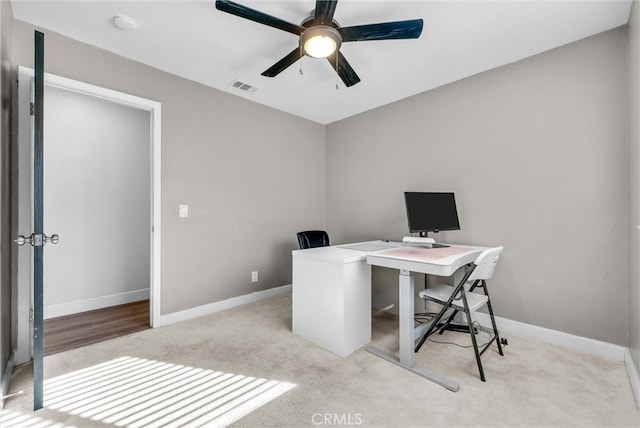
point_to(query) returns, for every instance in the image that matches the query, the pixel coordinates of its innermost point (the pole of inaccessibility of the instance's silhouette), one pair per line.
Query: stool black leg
(493, 320)
(473, 336)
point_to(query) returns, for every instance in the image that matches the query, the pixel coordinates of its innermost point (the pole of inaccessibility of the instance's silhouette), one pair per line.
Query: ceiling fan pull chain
(337, 73)
(301, 56)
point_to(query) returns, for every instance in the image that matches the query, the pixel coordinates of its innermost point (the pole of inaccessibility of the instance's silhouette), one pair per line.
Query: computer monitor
(431, 212)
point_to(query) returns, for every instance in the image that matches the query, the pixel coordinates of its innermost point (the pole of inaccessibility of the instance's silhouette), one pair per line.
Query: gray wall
(252, 176)
(634, 194)
(97, 173)
(536, 153)
(6, 81)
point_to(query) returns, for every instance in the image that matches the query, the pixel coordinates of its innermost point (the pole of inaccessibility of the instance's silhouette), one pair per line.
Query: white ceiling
(460, 38)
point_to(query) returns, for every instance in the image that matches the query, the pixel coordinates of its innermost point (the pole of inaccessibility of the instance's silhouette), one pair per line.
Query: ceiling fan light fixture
(320, 46)
(320, 41)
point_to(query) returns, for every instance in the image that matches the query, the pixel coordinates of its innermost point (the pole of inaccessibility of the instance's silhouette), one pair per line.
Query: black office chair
(312, 239)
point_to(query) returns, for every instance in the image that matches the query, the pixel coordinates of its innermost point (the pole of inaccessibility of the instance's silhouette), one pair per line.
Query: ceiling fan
(320, 36)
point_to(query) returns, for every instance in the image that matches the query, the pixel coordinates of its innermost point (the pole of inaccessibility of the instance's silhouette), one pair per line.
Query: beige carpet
(244, 367)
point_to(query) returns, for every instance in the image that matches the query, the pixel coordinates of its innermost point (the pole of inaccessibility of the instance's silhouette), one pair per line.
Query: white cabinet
(331, 303)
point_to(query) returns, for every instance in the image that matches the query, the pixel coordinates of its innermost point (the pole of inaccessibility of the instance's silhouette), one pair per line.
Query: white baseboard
(632, 371)
(554, 337)
(5, 382)
(222, 305)
(68, 308)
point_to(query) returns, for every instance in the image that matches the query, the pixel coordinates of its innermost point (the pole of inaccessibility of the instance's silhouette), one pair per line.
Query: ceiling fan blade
(324, 11)
(281, 65)
(410, 29)
(344, 69)
(257, 16)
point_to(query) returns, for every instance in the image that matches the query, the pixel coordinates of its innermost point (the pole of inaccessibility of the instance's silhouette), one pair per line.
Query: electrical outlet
(254, 276)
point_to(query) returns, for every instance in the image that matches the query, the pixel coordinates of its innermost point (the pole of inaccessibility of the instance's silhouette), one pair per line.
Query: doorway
(102, 194)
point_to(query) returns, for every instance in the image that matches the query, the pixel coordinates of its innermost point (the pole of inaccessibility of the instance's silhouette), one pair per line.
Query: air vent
(245, 87)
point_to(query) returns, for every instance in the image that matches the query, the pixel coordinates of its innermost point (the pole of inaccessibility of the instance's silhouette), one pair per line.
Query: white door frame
(22, 287)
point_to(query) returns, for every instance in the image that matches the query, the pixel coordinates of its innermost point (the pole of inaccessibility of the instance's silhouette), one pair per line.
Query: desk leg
(407, 309)
(407, 340)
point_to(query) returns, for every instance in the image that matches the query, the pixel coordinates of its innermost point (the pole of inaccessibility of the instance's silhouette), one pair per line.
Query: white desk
(331, 294)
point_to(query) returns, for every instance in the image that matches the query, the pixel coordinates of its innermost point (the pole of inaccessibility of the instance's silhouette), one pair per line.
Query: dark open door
(38, 234)
(37, 239)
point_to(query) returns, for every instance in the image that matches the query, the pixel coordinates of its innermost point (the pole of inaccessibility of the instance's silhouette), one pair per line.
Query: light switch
(184, 211)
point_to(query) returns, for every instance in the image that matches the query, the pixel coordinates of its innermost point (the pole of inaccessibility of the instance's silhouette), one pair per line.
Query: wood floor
(73, 331)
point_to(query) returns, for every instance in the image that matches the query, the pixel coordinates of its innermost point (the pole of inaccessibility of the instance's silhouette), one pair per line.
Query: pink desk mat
(424, 254)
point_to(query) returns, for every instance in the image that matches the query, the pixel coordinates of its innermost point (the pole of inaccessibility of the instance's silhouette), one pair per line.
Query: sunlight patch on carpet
(135, 392)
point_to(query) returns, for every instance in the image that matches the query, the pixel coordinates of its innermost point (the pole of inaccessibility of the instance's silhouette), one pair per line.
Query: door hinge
(30, 314)
(32, 108)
